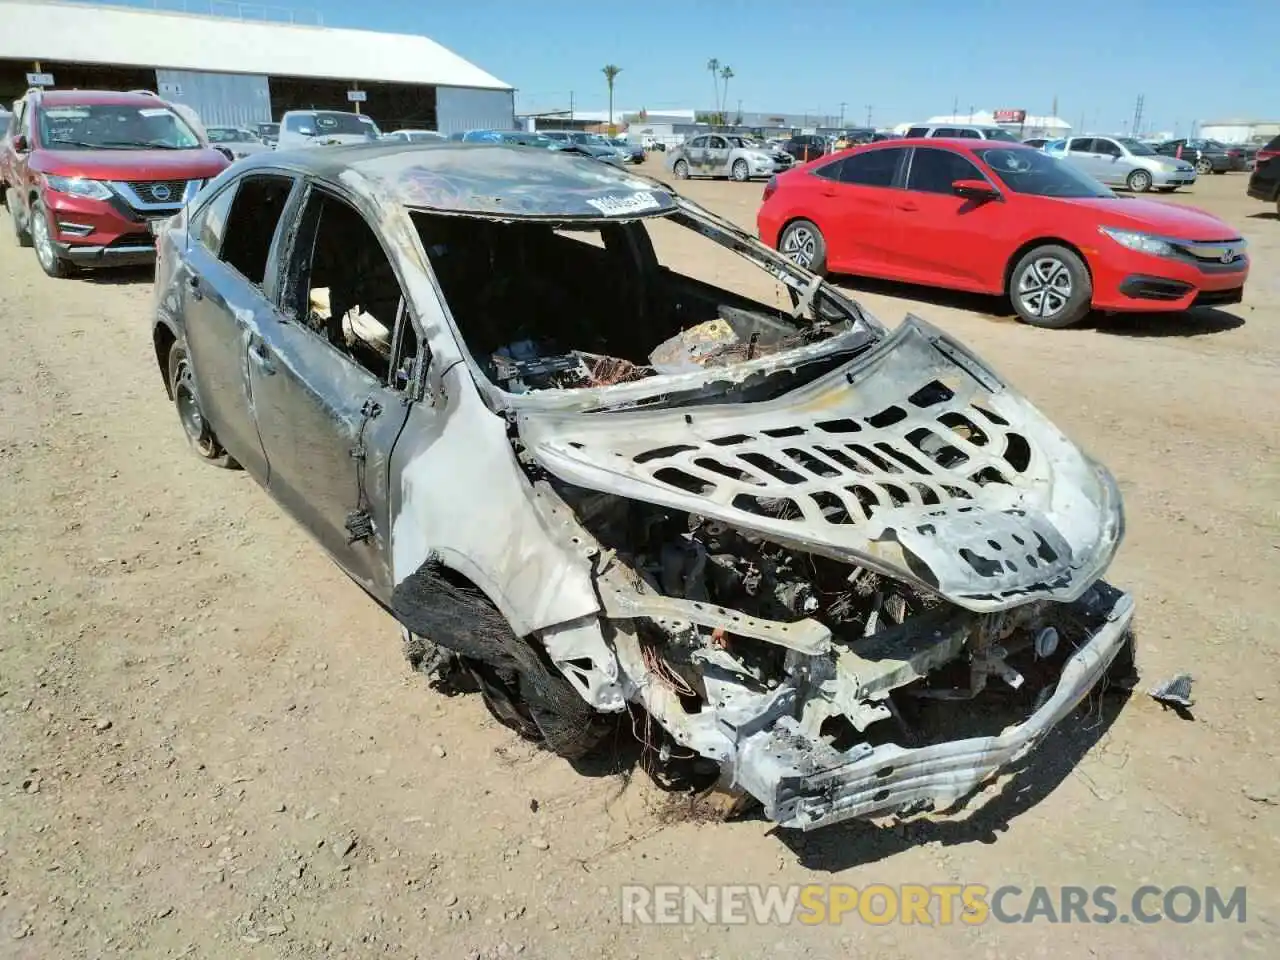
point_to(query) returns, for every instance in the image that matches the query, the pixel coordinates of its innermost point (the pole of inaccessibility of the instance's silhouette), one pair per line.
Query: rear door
(331, 379)
(860, 198)
(227, 286)
(695, 152)
(945, 239)
(1080, 154)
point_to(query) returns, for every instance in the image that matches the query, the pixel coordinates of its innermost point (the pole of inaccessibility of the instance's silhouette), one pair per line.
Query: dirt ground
(211, 746)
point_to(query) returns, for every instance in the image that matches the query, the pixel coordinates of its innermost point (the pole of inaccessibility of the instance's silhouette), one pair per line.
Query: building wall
(221, 99)
(460, 109)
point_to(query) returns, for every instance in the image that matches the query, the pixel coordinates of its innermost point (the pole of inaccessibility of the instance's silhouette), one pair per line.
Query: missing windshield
(587, 304)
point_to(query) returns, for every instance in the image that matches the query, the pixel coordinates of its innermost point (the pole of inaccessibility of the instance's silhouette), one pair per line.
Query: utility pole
(955, 107)
(1137, 115)
(571, 108)
(842, 106)
(971, 113)
(868, 115)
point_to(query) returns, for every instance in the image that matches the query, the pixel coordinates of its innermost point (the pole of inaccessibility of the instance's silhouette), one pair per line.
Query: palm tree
(714, 66)
(726, 74)
(610, 74)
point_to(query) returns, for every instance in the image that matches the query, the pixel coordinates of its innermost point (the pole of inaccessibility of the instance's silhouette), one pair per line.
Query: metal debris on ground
(1175, 692)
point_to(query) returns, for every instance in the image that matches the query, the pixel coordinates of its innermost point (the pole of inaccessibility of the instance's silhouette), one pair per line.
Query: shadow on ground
(994, 307)
(1265, 215)
(1192, 323)
(858, 842)
(118, 276)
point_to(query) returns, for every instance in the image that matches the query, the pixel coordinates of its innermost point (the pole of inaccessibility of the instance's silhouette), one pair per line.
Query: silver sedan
(726, 155)
(1124, 162)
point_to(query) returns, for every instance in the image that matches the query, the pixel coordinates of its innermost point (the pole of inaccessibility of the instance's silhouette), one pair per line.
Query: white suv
(971, 131)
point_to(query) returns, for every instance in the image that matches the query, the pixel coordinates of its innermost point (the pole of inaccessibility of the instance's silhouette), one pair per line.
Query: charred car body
(775, 533)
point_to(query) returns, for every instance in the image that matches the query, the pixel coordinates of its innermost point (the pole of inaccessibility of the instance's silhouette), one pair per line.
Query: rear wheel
(1050, 287)
(740, 171)
(681, 170)
(1203, 166)
(186, 398)
(1139, 181)
(802, 243)
(20, 231)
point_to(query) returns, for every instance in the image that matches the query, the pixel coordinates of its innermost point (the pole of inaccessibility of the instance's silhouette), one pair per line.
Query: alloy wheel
(799, 246)
(1203, 166)
(43, 241)
(1045, 287)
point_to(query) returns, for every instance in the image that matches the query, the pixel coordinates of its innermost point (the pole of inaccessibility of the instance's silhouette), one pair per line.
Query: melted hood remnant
(913, 460)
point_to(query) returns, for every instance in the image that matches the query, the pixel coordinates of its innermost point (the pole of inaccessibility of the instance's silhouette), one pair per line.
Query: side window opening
(251, 223)
(875, 168)
(346, 291)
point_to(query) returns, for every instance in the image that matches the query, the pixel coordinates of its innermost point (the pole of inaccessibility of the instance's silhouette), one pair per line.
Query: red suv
(85, 174)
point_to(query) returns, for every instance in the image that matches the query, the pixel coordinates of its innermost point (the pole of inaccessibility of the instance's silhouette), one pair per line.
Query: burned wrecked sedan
(812, 553)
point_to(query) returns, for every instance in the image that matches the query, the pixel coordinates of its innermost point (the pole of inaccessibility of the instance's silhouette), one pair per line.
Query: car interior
(543, 304)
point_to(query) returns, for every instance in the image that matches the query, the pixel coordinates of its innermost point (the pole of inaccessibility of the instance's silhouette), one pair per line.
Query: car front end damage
(849, 567)
(785, 584)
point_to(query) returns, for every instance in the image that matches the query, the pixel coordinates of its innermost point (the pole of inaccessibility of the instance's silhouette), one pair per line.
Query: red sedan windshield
(1029, 171)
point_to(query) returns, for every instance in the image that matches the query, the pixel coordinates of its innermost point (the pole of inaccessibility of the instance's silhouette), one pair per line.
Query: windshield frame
(142, 111)
(999, 135)
(1090, 189)
(811, 294)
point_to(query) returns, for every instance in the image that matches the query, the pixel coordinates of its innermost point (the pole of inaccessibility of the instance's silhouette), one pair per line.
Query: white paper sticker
(615, 206)
(154, 112)
(66, 113)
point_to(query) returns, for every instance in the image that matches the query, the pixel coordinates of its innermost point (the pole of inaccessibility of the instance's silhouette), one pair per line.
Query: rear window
(918, 132)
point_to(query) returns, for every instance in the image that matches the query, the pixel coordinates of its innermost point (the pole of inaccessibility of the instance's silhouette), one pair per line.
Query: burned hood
(914, 460)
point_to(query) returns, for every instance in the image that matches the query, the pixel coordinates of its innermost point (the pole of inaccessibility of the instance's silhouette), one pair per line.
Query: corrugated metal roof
(82, 33)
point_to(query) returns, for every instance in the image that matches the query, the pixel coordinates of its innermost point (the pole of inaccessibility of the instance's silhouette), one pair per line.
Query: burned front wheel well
(164, 338)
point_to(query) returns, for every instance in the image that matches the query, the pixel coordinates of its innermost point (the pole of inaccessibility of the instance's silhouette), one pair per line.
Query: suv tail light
(770, 188)
(1267, 155)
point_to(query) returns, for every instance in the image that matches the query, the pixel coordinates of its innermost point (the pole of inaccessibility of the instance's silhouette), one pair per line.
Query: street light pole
(868, 115)
(842, 106)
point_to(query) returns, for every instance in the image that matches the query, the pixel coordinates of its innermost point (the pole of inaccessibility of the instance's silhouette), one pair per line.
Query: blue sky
(910, 59)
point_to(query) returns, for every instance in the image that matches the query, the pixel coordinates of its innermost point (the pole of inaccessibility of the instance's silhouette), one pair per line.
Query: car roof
(100, 98)
(488, 179)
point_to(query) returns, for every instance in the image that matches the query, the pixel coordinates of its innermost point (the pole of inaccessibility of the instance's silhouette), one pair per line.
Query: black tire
(46, 250)
(809, 247)
(186, 399)
(1166, 189)
(1219, 172)
(681, 169)
(1050, 287)
(1139, 181)
(741, 172)
(20, 233)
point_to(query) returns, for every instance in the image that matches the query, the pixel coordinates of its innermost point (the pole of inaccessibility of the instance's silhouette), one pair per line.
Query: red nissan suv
(85, 174)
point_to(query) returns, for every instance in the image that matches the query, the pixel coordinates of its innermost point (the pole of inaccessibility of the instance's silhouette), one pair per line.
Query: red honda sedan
(993, 217)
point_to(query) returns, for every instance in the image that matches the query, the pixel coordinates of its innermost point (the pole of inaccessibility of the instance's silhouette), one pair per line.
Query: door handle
(193, 283)
(828, 192)
(260, 353)
(908, 207)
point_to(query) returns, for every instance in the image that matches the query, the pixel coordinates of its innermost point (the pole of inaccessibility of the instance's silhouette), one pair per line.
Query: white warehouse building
(238, 71)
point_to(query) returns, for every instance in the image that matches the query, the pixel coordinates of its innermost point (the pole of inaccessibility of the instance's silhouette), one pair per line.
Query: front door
(697, 153)
(227, 287)
(329, 399)
(1113, 164)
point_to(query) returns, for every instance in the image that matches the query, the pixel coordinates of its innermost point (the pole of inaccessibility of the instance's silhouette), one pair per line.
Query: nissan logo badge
(160, 191)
